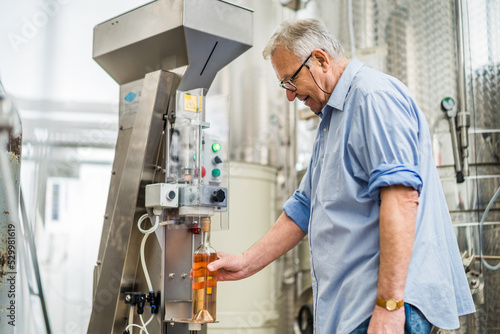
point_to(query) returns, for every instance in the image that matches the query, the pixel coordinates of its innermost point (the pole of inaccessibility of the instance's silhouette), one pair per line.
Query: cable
(143, 262)
(133, 325)
(143, 324)
(143, 245)
(317, 83)
(481, 232)
(152, 229)
(146, 232)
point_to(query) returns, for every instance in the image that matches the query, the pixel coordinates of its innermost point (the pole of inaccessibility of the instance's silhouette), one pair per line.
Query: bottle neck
(205, 238)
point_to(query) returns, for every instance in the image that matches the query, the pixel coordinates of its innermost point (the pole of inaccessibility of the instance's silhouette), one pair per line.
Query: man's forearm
(398, 213)
(283, 236)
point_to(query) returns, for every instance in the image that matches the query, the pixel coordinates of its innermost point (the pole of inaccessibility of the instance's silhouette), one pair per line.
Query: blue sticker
(130, 97)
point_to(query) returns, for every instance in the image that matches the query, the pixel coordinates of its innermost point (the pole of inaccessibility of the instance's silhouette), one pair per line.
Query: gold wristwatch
(391, 304)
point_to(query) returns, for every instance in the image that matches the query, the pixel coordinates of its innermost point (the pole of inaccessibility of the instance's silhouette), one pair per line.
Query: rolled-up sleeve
(388, 174)
(298, 207)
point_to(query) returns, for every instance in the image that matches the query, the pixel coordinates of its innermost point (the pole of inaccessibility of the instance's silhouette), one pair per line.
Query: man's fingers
(213, 266)
(219, 263)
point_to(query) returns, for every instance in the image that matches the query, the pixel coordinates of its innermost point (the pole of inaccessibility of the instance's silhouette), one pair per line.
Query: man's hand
(387, 322)
(283, 236)
(231, 267)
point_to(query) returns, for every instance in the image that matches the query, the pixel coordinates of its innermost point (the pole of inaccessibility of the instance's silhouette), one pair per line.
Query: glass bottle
(204, 281)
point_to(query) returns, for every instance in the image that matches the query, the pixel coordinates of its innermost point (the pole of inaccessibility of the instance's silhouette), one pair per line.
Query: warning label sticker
(191, 103)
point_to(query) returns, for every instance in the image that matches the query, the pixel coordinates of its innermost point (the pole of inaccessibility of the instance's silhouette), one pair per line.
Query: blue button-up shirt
(372, 134)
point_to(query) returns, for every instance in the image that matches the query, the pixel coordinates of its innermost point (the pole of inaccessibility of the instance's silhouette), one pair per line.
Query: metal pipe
(456, 149)
(463, 117)
(10, 166)
(30, 240)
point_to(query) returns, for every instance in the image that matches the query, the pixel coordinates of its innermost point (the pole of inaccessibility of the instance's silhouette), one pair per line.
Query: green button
(216, 172)
(216, 147)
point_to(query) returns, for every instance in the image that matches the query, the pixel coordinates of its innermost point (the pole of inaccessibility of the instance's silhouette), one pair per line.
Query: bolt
(113, 172)
(184, 275)
(171, 275)
(127, 298)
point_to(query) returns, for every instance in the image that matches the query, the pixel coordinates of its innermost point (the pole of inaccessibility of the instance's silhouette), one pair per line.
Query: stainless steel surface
(259, 109)
(195, 37)
(463, 116)
(203, 196)
(121, 242)
(192, 39)
(10, 227)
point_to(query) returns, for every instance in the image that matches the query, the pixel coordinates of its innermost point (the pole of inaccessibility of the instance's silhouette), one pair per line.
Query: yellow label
(209, 288)
(191, 103)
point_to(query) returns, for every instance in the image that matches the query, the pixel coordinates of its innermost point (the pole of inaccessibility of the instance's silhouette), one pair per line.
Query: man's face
(285, 64)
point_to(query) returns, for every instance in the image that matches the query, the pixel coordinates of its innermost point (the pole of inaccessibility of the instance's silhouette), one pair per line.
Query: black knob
(217, 160)
(171, 194)
(219, 196)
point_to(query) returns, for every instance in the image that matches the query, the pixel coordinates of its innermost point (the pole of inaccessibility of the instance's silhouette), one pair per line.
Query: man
(371, 201)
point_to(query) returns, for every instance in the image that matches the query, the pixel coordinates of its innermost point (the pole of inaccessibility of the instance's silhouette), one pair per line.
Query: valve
(136, 299)
(219, 196)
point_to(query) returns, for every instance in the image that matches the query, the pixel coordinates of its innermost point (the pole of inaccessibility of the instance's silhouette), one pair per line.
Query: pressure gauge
(447, 104)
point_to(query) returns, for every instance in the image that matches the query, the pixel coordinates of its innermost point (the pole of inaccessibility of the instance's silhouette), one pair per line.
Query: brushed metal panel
(204, 35)
(120, 256)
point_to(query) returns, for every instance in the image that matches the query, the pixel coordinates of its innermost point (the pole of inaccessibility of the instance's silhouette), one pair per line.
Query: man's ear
(321, 58)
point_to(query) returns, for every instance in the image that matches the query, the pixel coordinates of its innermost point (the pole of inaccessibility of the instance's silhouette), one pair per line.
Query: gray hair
(301, 37)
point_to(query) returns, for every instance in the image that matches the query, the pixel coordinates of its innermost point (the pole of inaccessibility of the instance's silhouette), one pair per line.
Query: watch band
(391, 304)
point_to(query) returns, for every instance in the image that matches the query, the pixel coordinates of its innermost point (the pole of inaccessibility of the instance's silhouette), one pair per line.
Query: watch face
(391, 304)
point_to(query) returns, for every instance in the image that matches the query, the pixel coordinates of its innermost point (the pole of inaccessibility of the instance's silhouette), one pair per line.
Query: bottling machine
(169, 178)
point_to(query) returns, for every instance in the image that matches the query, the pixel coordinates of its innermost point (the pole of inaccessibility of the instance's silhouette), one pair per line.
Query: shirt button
(314, 279)
(324, 129)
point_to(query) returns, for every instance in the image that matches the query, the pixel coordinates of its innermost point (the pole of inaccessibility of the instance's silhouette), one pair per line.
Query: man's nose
(290, 95)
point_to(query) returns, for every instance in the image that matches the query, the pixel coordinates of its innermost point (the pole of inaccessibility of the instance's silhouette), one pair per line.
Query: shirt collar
(339, 94)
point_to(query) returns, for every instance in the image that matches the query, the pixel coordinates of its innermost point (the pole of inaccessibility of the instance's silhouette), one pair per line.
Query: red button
(203, 171)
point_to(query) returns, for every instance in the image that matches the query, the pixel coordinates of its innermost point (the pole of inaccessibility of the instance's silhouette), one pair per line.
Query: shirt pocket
(328, 183)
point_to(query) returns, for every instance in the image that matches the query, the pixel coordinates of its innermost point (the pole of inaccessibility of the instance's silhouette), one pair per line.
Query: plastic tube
(144, 324)
(143, 245)
(144, 267)
(481, 231)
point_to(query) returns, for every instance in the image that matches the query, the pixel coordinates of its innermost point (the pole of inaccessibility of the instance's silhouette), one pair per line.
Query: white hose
(481, 225)
(143, 245)
(143, 262)
(144, 325)
(133, 325)
(144, 267)
(152, 229)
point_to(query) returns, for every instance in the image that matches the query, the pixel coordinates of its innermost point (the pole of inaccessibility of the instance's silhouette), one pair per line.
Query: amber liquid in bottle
(204, 281)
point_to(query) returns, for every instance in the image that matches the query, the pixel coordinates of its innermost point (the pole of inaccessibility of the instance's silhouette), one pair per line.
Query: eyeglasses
(288, 85)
